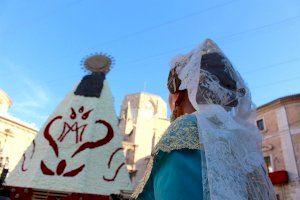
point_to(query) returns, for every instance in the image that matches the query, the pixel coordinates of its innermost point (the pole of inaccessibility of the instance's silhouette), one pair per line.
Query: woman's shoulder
(184, 121)
(181, 134)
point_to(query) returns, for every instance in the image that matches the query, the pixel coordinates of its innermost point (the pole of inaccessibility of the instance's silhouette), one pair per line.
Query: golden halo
(98, 63)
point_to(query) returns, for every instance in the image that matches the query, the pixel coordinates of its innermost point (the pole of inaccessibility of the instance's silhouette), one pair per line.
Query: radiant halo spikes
(98, 63)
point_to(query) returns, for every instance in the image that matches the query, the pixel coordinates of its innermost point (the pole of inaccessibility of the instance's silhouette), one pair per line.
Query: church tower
(143, 120)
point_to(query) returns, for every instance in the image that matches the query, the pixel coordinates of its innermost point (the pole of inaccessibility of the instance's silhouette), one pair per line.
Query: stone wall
(143, 120)
(281, 141)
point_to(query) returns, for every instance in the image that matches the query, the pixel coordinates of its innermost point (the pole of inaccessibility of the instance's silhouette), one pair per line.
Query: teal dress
(177, 169)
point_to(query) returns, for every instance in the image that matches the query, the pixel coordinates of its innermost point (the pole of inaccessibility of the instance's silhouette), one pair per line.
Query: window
(130, 157)
(260, 124)
(268, 163)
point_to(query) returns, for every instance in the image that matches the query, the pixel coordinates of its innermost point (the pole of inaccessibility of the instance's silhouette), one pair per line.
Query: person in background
(211, 150)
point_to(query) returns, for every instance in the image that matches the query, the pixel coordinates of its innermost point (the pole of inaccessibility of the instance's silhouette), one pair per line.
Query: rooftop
(145, 93)
(15, 120)
(281, 100)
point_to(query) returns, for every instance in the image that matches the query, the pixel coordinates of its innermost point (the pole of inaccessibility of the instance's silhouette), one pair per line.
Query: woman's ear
(172, 100)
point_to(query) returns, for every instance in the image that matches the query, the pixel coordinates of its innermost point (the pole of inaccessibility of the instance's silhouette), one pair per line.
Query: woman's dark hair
(173, 81)
(217, 65)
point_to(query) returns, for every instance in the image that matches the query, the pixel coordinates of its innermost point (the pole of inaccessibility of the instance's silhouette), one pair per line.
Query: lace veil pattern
(225, 113)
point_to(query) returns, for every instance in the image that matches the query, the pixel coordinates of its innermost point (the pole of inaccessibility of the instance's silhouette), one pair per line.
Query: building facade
(143, 120)
(279, 122)
(15, 135)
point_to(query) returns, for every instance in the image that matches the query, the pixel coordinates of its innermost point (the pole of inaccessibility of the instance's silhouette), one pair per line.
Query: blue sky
(43, 42)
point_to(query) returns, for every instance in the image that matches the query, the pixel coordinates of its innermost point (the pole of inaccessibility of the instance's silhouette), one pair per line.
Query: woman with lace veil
(211, 150)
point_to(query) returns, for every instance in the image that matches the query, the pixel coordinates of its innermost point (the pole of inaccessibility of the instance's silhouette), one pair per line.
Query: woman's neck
(187, 107)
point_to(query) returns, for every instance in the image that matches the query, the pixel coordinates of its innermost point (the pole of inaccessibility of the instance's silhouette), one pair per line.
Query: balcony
(279, 177)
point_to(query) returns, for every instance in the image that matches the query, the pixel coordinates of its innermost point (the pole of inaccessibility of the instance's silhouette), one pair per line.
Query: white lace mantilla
(235, 167)
(232, 144)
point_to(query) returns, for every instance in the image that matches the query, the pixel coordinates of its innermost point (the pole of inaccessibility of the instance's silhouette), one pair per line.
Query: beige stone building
(15, 135)
(143, 120)
(279, 122)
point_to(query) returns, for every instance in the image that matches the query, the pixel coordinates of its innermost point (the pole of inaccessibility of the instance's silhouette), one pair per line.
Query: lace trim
(182, 133)
(144, 180)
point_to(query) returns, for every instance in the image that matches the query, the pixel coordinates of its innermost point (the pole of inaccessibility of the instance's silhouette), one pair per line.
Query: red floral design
(79, 131)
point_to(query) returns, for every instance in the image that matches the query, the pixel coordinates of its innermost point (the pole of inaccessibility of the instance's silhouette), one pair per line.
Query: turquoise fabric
(179, 174)
(176, 176)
